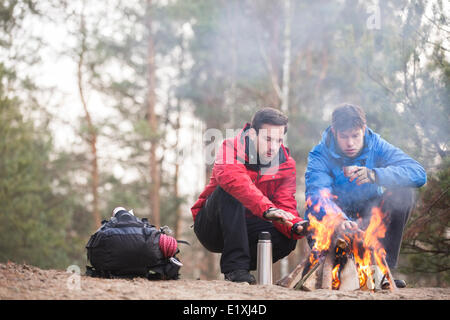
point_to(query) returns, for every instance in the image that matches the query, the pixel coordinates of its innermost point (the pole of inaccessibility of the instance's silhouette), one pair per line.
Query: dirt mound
(20, 281)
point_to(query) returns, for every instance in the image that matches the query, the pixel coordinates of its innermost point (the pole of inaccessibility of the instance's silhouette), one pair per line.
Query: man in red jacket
(251, 189)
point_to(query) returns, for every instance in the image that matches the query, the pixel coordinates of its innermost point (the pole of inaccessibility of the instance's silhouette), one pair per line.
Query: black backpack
(127, 246)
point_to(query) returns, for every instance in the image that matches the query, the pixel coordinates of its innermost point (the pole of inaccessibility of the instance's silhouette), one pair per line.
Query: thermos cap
(264, 235)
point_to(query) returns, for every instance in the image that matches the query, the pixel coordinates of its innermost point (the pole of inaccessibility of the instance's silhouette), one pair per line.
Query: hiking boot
(400, 283)
(240, 276)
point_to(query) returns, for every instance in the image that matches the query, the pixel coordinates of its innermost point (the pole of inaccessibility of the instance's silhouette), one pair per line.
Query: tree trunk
(211, 265)
(155, 182)
(323, 72)
(178, 215)
(284, 263)
(178, 212)
(234, 66)
(92, 135)
(287, 57)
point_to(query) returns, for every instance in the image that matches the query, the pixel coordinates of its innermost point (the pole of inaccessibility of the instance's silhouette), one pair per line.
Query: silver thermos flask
(264, 257)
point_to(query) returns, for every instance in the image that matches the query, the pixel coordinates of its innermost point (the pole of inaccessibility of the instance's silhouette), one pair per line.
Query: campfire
(349, 260)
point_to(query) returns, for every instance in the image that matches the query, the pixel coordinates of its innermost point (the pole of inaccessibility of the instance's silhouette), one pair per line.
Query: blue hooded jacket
(393, 168)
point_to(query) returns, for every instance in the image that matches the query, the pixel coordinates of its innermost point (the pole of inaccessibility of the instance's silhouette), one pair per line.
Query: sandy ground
(24, 282)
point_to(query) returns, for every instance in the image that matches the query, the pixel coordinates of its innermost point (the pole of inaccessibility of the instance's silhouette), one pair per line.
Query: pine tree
(34, 219)
(39, 224)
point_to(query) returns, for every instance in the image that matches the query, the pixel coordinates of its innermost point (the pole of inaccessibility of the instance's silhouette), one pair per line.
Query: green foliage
(34, 219)
(38, 217)
(427, 240)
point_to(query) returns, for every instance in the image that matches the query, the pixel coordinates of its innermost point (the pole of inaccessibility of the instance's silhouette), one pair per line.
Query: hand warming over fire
(362, 175)
(279, 215)
(347, 225)
(283, 217)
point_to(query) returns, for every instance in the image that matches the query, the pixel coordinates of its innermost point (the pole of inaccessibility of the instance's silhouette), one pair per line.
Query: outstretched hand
(347, 225)
(279, 215)
(283, 217)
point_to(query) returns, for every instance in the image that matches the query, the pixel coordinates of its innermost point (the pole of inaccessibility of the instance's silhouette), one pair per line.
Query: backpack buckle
(175, 262)
(166, 230)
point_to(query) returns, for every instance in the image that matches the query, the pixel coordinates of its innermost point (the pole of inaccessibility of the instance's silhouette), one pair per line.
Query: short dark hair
(269, 116)
(348, 116)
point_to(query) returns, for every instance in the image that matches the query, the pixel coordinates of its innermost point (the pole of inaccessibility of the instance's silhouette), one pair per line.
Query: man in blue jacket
(361, 170)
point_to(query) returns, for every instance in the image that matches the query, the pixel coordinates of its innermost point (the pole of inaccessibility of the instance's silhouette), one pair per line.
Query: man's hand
(282, 216)
(279, 215)
(363, 175)
(347, 225)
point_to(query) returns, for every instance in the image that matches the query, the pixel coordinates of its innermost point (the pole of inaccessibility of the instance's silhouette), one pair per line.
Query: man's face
(268, 141)
(350, 141)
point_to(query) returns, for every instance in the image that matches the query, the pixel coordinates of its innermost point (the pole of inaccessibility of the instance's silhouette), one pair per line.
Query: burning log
(309, 280)
(374, 270)
(348, 261)
(349, 277)
(325, 272)
(389, 276)
(317, 272)
(338, 269)
(345, 273)
(294, 277)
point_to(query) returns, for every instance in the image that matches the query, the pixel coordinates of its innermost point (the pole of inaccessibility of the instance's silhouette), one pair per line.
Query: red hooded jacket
(257, 191)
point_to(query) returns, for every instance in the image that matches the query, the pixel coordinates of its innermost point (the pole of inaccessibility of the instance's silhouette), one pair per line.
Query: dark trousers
(397, 205)
(222, 226)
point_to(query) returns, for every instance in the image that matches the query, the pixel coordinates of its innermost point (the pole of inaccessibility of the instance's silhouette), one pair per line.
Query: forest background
(112, 104)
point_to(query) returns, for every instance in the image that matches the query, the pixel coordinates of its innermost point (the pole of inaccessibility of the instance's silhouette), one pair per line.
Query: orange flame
(335, 282)
(323, 230)
(376, 230)
(367, 249)
(373, 251)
